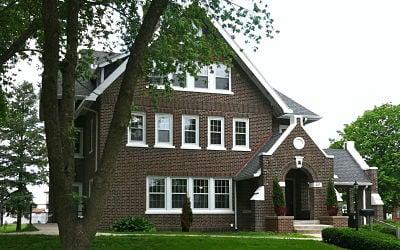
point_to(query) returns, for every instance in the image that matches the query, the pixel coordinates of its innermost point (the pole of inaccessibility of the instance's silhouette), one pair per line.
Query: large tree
(160, 36)
(377, 137)
(22, 151)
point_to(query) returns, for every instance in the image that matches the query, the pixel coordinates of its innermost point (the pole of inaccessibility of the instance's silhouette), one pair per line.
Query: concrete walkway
(52, 229)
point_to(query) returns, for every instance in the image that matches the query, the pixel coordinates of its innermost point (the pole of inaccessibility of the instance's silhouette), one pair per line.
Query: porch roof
(346, 168)
(252, 166)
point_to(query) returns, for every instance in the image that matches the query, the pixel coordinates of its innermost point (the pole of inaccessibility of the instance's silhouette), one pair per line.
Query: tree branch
(19, 42)
(133, 72)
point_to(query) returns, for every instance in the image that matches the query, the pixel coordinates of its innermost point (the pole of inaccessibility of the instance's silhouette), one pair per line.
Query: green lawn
(162, 242)
(10, 228)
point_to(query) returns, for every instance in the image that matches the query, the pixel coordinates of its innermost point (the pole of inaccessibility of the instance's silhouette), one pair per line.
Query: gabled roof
(346, 168)
(252, 166)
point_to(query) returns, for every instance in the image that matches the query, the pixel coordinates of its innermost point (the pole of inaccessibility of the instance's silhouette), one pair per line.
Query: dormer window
(202, 79)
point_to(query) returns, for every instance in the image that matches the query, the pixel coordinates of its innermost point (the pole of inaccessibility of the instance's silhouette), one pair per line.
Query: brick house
(221, 140)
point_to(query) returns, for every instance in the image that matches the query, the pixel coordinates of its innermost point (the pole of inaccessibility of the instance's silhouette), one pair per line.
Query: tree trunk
(19, 218)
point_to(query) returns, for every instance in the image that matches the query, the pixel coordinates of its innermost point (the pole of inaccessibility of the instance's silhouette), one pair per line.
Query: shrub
(382, 229)
(187, 215)
(133, 224)
(277, 194)
(331, 199)
(361, 240)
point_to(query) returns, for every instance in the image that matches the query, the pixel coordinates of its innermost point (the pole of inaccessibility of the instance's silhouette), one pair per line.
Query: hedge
(382, 228)
(133, 224)
(360, 240)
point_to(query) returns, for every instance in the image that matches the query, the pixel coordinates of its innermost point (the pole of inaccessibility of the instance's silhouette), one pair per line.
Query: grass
(240, 233)
(10, 228)
(162, 242)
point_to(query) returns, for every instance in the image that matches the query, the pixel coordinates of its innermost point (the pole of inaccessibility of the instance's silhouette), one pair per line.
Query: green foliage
(133, 224)
(377, 137)
(331, 199)
(381, 228)
(277, 194)
(187, 215)
(361, 240)
(22, 150)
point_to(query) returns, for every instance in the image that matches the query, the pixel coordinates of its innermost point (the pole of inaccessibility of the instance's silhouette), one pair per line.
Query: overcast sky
(337, 58)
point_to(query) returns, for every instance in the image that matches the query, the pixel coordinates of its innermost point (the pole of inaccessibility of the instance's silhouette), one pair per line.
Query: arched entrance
(297, 194)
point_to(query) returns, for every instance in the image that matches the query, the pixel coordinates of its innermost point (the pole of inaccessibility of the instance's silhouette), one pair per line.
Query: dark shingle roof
(102, 57)
(252, 165)
(297, 108)
(346, 168)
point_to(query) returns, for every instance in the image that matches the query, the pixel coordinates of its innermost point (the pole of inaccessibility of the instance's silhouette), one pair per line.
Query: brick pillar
(372, 174)
(258, 209)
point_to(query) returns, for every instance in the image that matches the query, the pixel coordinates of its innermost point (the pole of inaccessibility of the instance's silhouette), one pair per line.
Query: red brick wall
(134, 164)
(315, 163)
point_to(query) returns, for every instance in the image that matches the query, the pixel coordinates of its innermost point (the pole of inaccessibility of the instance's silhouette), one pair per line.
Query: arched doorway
(297, 194)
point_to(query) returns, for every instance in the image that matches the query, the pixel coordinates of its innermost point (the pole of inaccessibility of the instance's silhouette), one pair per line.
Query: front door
(289, 197)
(297, 195)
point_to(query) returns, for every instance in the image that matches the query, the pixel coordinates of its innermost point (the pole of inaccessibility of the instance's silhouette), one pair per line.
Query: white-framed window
(241, 134)
(78, 151)
(165, 195)
(222, 78)
(190, 132)
(201, 81)
(216, 130)
(200, 193)
(222, 193)
(137, 130)
(282, 128)
(91, 135)
(178, 192)
(163, 131)
(156, 193)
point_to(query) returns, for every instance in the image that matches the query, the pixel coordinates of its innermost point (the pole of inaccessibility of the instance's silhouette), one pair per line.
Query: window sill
(190, 147)
(137, 145)
(204, 90)
(76, 156)
(216, 148)
(163, 146)
(241, 149)
(195, 211)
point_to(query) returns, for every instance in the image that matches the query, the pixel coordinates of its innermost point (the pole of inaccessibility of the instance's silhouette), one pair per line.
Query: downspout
(236, 228)
(96, 134)
(365, 203)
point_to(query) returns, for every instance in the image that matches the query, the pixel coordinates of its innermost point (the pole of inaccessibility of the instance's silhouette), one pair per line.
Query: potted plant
(331, 200)
(187, 215)
(278, 198)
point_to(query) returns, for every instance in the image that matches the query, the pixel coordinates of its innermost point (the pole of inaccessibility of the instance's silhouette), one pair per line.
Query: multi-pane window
(222, 77)
(156, 193)
(190, 130)
(215, 132)
(137, 129)
(179, 190)
(78, 143)
(164, 129)
(240, 133)
(178, 80)
(201, 80)
(221, 193)
(200, 193)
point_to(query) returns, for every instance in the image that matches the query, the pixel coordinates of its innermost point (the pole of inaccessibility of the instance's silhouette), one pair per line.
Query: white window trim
(90, 186)
(79, 155)
(241, 147)
(142, 143)
(80, 190)
(190, 145)
(215, 146)
(91, 135)
(168, 197)
(214, 75)
(171, 137)
(189, 87)
(282, 128)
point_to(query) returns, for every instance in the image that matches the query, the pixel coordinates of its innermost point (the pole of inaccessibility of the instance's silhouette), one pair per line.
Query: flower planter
(280, 211)
(332, 210)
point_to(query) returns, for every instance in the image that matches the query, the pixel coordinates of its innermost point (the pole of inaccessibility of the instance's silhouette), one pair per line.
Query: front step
(309, 226)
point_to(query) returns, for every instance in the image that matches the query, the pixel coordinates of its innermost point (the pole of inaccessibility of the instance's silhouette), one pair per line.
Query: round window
(298, 143)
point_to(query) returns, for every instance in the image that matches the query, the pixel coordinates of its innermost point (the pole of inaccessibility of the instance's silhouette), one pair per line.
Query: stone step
(303, 222)
(311, 227)
(308, 231)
